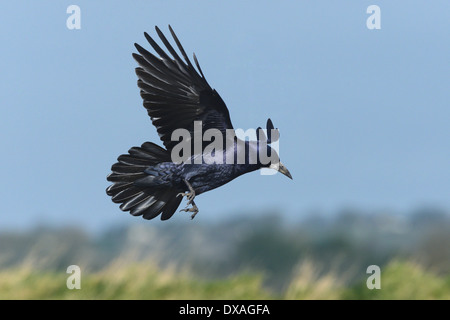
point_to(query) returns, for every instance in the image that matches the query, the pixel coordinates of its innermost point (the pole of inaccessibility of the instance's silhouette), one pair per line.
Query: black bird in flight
(147, 181)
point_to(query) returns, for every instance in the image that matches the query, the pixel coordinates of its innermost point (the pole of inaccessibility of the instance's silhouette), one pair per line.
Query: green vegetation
(135, 281)
(407, 281)
(259, 257)
(399, 280)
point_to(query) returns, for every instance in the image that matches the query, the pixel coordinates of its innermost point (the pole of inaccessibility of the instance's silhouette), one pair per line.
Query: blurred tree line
(343, 244)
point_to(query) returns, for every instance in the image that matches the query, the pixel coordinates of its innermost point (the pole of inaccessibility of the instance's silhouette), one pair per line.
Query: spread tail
(138, 198)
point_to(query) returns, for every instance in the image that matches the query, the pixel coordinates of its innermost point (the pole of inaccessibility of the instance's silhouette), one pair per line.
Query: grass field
(399, 280)
(258, 258)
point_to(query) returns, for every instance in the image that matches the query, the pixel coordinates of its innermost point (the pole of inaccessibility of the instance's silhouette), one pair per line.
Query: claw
(190, 196)
(192, 209)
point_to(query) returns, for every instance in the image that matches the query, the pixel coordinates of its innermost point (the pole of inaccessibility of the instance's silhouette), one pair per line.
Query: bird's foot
(183, 194)
(189, 195)
(193, 209)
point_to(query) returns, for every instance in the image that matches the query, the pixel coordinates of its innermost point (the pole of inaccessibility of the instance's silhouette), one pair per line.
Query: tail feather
(138, 198)
(135, 196)
(157, 206)
(126, 194)
(130, 160)
(170, 208)
(141, 207)
(117, 187)
(122, 168)
(125, 177)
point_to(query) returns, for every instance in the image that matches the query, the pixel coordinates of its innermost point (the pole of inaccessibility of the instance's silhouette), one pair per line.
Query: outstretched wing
(174, 93)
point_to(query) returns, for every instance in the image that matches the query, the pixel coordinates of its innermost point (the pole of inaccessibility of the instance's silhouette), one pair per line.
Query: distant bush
(122, 280)
(317, 257)
(406, 281)
(130, 281)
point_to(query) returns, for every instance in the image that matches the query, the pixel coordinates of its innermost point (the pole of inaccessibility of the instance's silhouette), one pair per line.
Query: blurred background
(363, 117)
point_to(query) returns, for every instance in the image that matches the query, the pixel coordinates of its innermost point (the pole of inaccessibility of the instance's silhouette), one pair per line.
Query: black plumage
(146, 181)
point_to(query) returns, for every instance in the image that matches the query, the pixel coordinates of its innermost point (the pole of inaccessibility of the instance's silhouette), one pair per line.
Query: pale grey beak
(282, 169)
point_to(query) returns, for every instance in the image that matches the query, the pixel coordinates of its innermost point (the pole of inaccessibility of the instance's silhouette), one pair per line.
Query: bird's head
(269, 158)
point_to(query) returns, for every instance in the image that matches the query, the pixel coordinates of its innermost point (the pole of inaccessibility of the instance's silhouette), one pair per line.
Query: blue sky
(363, 114)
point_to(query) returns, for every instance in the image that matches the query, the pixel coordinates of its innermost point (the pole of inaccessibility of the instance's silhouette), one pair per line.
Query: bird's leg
(190, 196)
